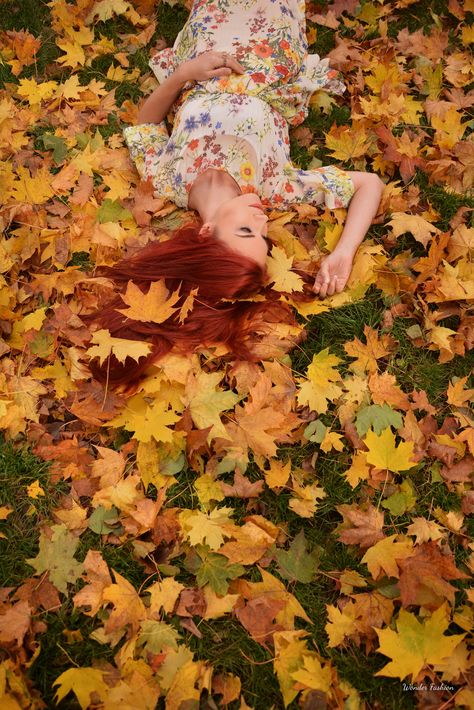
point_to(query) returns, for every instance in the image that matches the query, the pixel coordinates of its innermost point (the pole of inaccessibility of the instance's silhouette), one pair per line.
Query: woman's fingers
(221, 71)
(235, 65)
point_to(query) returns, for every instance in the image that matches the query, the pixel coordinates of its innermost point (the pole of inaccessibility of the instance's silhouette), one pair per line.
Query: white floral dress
(240, 123)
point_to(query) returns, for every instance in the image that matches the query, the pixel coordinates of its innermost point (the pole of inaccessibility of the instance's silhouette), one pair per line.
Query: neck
(210, 190)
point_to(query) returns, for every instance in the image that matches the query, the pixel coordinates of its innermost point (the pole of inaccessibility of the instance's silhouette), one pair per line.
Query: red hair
(187, 261)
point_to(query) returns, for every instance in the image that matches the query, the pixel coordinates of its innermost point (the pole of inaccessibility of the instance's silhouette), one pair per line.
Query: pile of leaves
(238, 534)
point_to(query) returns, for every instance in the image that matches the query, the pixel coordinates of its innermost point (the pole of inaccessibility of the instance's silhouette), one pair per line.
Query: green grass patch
(19, 468)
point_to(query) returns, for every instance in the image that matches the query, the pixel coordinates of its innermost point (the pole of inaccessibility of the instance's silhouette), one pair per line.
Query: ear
(206, 230)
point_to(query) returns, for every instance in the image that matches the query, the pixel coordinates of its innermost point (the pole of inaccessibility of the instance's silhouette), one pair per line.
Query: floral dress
(240, 123)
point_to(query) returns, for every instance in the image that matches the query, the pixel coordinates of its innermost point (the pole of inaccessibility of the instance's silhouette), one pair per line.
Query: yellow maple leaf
(147, 421)
(421, 229)
(35, 93)
(416, 643)
(32, 190)
(279, 271)
(206, 403)
(384, 453)
(218, 606)
(340, 624)
(82, 682)
(163, 595)
(5, 511)
(321, 386)
(424, 530)
(359, 469)
(306, 500)
(383, 556)
(368, 353)
(314, 674)
(449, 129)
(206, 528)
(104, 345)
(105, 9)
(278, 474)
(187, 305)
(290, 648)
(155, 306)
(128, 608)
(34, 490)
(347, 143)
(74, 54)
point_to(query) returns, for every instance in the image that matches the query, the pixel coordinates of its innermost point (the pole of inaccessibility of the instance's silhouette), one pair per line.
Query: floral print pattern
(240, 123)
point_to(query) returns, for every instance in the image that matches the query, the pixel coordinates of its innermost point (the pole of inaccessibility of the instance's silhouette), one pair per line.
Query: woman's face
(241, 224)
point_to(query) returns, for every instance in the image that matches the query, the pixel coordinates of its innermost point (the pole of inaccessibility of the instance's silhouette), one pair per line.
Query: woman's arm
(336, 268)
(206, 66)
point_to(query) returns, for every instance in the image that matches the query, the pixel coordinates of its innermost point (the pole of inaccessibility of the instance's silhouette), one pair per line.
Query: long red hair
(186, 261)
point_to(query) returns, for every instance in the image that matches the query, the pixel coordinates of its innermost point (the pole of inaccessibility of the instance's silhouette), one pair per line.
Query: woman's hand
(333, 273)
(208, 65)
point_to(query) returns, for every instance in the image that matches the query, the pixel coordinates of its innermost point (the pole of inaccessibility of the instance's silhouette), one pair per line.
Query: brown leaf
(242, 488)
(461, 471)
(191, 603)
(423, 577)
(362, 525)
(258, 617)
(14, 622)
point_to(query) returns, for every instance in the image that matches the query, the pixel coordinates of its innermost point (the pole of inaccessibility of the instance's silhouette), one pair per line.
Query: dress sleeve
(146, 143)
(314, 74)
(164, 63)
(329, 185)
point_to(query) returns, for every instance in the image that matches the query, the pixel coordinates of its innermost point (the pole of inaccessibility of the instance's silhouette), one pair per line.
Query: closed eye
(245, 229)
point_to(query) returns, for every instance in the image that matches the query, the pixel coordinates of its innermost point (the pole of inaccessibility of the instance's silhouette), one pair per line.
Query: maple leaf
(362, 525)
(82, 682)
(104, 345)
(421, 229)
(384, 555)
(423, 576)
(258, 617)
(340, 624)
(146, 421)
(347, 143)
(206, 528)
(206, 403)
(296, 563)
(322, 385)
(290, 648)
(56, 556)
(215, 570)
(384, 453)
(415, 644)
(14, 623)
(242, 487)
(128, 607)
(164, 595)
(155, 306)
(279, 272)
(367, 354)
(378, 417)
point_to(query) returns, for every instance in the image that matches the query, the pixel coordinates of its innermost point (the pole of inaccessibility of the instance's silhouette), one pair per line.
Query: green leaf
(402, 501)
(296, 563)
(57, 144)
(56, 556)
(377, 416)
(216, 571)
(156, 635)
(112, 211)
(103, 520)
(315, 431)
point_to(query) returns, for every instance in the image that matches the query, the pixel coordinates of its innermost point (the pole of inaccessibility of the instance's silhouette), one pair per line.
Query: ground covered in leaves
(287, 533)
